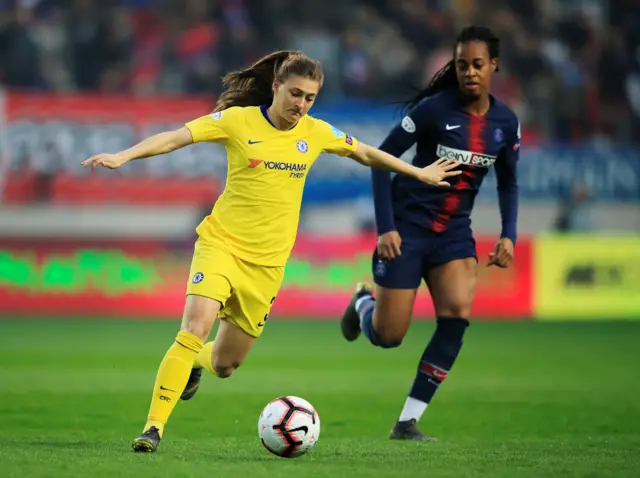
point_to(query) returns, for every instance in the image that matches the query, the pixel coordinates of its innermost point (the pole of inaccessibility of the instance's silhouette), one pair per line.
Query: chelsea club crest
(197, 278)
(302, 146)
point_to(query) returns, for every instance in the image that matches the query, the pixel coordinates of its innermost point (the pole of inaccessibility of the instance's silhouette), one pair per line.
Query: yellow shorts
(246, 291)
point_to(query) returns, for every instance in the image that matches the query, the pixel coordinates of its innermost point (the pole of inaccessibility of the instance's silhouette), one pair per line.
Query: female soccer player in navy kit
(425, 233)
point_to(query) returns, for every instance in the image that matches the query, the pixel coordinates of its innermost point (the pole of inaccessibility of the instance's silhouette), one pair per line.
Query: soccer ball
(289, 426)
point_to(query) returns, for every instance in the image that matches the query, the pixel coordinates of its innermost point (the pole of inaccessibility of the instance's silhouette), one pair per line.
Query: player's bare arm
(155, 145)
(434, 174)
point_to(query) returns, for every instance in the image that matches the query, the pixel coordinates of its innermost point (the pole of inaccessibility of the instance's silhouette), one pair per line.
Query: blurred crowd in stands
(569, 68)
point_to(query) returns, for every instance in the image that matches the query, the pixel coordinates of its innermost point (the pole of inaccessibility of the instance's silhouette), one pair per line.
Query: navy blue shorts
(422, 250)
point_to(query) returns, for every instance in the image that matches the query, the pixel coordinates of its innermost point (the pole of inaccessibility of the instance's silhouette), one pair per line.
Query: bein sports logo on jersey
(465, 157)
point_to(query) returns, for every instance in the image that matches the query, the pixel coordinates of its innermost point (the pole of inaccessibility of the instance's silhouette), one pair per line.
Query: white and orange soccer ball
(289, 426)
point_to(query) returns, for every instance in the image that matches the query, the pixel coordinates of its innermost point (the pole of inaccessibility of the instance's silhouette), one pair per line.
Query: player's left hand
(106, 160)
(502, 254)
(436, 173)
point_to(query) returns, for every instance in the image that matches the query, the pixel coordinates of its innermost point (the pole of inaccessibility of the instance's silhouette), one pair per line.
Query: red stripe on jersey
(476, 128)
(452, 198)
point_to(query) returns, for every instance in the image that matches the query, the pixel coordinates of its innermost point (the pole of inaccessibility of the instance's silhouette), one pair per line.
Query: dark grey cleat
(147, 442)
(192, 384)
(408, 431)
(350, 323)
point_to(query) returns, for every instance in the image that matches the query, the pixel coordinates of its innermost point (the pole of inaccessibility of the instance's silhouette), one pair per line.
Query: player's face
(474, 68)
(294, 97)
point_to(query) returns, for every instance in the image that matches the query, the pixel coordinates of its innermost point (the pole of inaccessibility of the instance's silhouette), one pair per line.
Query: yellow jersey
(256, 217)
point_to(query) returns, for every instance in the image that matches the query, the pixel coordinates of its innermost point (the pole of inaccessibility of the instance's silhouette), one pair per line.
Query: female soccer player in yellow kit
(243, 246)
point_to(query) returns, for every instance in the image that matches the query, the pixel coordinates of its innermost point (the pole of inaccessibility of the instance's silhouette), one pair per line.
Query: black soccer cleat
(147, 442)
(408, 430)
(350, 323)
(192, 384)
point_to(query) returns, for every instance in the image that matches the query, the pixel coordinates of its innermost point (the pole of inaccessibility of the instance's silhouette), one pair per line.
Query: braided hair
(446, 78)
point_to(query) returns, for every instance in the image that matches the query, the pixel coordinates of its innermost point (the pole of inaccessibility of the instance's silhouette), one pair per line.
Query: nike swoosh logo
(449, 128)
(167, 389)
(260, 324)
(254, 142)
(302, 428)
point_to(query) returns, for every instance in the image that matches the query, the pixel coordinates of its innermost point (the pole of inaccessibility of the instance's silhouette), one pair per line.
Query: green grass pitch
(524, 400)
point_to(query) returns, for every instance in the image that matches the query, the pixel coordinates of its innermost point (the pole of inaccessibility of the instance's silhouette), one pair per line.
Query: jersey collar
(263, 110)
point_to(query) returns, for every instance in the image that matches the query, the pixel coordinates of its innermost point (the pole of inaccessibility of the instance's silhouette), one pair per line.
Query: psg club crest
(381, 269)
(197, 278)
(498, 135)
(302, 146)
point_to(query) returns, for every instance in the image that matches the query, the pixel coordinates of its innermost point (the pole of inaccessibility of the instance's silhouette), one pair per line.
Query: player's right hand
(111, 161)
(435, 173)
(389, 246)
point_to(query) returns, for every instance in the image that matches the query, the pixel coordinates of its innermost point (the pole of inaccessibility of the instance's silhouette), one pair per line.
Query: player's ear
(494, 65)
(275, 86)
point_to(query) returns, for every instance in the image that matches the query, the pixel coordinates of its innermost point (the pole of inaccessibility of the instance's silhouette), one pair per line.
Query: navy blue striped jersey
(442, 128)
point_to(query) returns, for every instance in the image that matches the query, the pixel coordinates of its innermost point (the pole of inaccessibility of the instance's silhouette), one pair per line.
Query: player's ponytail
(253, 86)
(446, 78)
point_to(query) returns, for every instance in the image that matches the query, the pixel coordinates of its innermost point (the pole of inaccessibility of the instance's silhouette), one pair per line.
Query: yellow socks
(172, 377)
(204, 357)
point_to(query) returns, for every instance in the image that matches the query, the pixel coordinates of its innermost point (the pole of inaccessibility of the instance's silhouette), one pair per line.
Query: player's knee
(390, 344)
(224, 369)
(388, 337)
(198, 328)
(454, 310)
(198, 324)
(199, 315)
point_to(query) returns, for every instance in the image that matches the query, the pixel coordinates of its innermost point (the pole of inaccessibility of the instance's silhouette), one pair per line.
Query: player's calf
(388, 339)
(386, 335)
(384, 321)
(358, 317)
(434, 366)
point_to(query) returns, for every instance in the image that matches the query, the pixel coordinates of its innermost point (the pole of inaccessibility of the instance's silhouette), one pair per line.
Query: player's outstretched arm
(434, 174)
(160, 143)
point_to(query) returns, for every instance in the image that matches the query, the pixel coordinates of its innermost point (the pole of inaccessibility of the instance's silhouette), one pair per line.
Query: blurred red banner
(80, 108)
(47, 133)
(136, 279)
